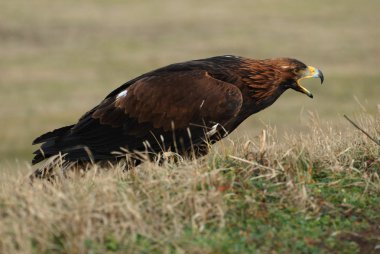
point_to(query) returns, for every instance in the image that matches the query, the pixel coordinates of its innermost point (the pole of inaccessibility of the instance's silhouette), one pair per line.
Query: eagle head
(297, 71)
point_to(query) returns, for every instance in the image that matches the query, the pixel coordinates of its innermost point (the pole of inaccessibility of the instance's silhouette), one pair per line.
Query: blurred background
(58, 59)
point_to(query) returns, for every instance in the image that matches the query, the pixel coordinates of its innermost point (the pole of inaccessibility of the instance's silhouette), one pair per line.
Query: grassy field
(311, 186)
(314, 193)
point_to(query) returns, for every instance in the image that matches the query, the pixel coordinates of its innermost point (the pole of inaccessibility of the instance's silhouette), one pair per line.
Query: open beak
(311, 72)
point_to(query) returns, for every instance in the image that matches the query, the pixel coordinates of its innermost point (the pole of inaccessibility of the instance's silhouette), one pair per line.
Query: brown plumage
(181, 107)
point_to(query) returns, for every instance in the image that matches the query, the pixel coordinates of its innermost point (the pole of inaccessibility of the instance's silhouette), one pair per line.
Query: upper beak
(311, 72)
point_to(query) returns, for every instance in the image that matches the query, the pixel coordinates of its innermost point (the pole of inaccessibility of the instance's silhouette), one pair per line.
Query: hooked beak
(311, 72)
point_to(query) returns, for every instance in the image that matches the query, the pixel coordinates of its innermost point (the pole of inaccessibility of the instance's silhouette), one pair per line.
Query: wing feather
(191, 97)
(163, 104)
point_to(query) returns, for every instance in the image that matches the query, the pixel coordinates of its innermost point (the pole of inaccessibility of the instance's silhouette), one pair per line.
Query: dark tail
(52, 134)
(49, 147)
(71, 147)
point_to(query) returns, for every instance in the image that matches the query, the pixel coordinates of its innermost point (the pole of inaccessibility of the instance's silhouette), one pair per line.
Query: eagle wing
(172, 101)
(156, 105)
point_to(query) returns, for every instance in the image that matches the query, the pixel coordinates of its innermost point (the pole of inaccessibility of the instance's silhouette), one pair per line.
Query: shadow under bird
(182, 108)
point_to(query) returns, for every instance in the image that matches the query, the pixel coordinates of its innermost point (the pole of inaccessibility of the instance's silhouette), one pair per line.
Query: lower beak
(311, 72)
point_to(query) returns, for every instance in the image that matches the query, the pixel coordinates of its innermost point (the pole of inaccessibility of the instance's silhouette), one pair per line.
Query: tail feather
(71, 150)
(74, 148)
(52, 134)
(49, 146)
(38, 157)
(46, 150)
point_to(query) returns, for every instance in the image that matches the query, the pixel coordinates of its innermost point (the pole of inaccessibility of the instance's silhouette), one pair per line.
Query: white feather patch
(122, 94)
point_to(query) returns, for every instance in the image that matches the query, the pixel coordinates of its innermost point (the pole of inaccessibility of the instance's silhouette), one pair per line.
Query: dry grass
(156, 203)
(243, 197)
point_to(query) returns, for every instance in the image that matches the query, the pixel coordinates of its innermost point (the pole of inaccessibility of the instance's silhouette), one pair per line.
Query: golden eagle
(182, 108)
